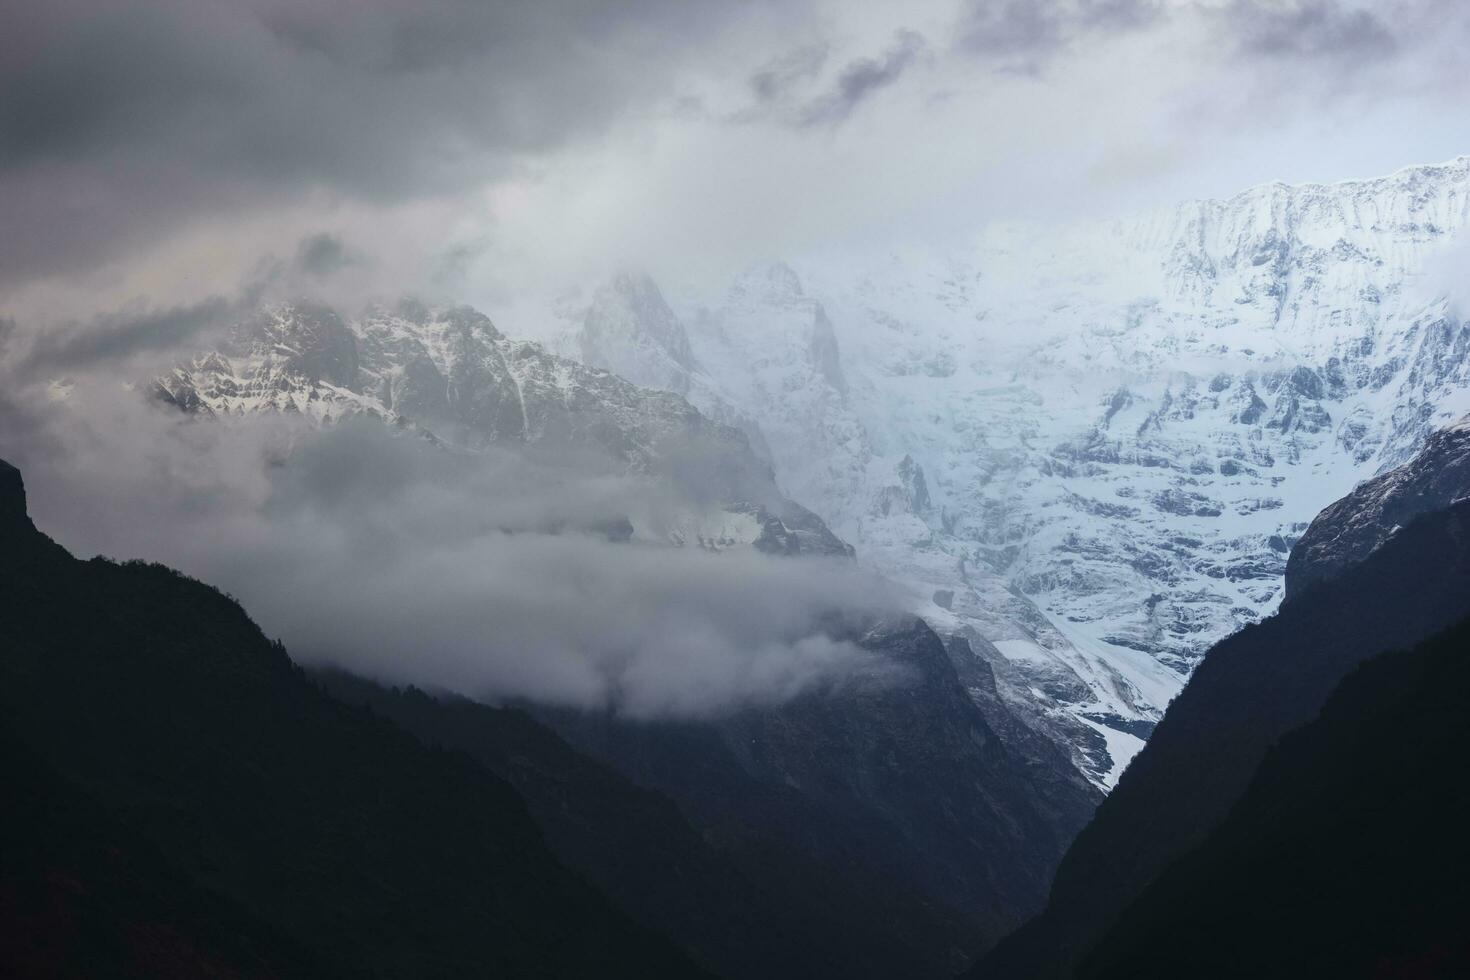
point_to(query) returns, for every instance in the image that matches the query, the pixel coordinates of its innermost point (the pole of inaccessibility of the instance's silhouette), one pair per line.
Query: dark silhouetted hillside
(637, 847)
(1346, 858)
(215, 807)
(894, 808)
(1250, 690)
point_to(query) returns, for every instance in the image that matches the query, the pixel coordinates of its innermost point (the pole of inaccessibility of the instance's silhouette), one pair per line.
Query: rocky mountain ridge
(895, 801)
(1351, 529)
(1089, 451)
(1251, 690)
(449, 375)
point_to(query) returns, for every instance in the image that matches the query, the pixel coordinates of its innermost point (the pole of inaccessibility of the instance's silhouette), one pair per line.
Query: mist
(493, 575)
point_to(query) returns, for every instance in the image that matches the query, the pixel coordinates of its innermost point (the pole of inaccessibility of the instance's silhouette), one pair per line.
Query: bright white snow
(1094, 448)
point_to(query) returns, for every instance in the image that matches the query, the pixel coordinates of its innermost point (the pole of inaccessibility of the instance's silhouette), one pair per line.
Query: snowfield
(1084, 453)
(1088, 451)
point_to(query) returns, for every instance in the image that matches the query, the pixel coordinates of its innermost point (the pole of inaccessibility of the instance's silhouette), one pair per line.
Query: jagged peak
(639, 295)
(285, 313)
(289, 322)
(1457, 168)
(1257, 232)
(413, 310)
(774, 280)
(629, 328)
(633, 281)
(410, 308)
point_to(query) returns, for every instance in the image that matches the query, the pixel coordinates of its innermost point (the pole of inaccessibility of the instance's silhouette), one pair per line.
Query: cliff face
(1250, 690)
(449, 375)
(1122, 429)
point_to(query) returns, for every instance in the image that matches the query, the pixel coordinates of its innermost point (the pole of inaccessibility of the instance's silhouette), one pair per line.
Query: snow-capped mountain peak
(1119, 429)
(630, 330)
(449, 374)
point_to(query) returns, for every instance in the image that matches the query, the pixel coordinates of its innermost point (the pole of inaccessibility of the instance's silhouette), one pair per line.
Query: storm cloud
(167, 165)
(119, 337)
(490, 151)
(860, 79)
(790, 90)
(1024, 35)
(141, 339)
(117, 120)
(1310, 29)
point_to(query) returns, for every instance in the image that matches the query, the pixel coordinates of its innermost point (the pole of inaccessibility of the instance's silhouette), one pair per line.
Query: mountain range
(1291, 810)
(1087, 450)
(1101, 463)
(931, 813)
(1221, 759)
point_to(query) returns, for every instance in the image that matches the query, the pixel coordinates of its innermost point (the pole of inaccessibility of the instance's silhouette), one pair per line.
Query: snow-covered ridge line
(450, 375)
(1349, 530)
(1090, 455)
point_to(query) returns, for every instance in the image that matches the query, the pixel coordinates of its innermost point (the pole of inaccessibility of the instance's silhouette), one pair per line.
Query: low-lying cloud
(493, 575)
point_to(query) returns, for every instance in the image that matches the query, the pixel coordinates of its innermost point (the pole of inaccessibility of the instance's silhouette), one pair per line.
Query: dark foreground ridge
(182, 800)
(325, 824)
(1252, 689)
(635, 845)
(1346, 858)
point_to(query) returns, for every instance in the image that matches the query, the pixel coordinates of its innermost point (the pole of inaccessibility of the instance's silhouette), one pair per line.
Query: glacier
(1085, 451)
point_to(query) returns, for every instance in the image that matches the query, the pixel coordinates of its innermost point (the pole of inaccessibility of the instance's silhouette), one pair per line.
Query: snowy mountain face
(630, 331)
(875, 789)
(1088, 453)
(450, 375)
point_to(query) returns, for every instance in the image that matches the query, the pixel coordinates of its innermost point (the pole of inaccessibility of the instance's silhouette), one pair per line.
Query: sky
(161, 153)
(168, 165)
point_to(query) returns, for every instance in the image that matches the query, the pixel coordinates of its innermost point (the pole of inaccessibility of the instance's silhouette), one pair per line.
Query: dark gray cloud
(116, 120)
(1309, 29)
(140, 337)
(1023, 35)
(322, 255)
(160, 122)
(1119, 15)
(778, 77)
(483, 574)
(860, 79)
(1347, 57)
(1019, 31)
(115, 338)
(789, 89)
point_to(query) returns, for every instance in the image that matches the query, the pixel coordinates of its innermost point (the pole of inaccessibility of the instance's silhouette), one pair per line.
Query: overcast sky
(167, 164)
(161, 152)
